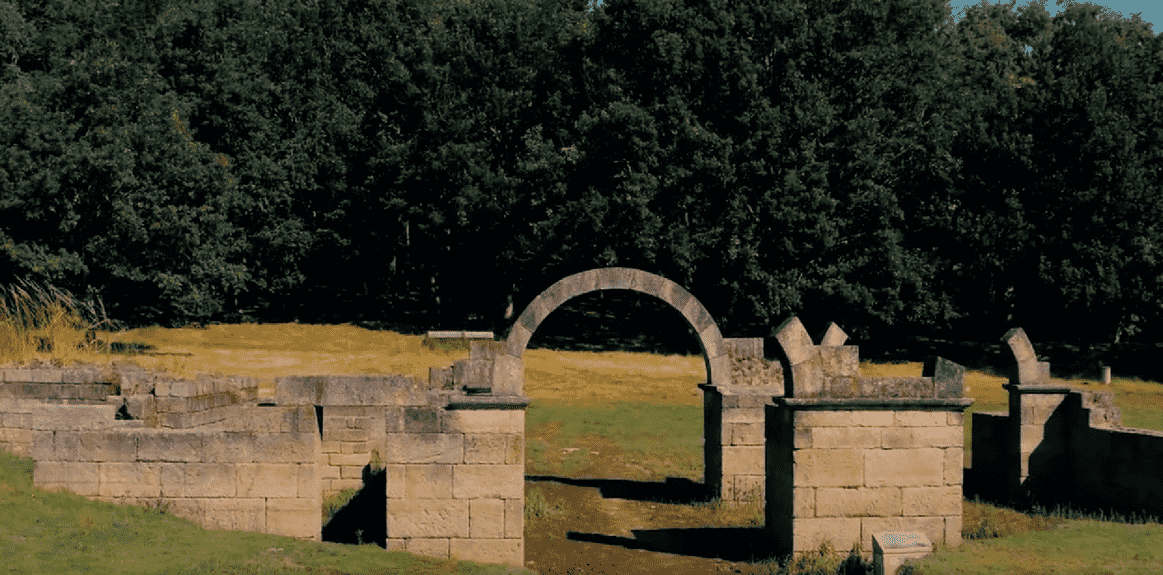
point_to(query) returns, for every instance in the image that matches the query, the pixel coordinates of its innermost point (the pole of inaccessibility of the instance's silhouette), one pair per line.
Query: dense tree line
(868, 162)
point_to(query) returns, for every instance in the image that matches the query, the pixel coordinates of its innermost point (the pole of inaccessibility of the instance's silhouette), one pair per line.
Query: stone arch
(697, 316)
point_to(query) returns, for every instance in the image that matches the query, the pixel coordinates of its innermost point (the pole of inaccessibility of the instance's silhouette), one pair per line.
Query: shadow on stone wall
(365, 516)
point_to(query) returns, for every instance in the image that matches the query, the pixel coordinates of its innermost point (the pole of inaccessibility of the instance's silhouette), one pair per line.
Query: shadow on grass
(364, 518)
(738, 544)
(679, 490)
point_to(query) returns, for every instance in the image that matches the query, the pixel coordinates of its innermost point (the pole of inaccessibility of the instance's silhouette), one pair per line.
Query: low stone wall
(222, 479)
(1063, 445)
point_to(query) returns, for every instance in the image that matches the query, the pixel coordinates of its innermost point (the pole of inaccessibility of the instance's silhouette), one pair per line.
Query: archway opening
(615, 460)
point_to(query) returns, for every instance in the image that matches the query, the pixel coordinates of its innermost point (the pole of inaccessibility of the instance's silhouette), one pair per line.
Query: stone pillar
(456, 484)
(733, 461)
(1036, 459)
(841, 469)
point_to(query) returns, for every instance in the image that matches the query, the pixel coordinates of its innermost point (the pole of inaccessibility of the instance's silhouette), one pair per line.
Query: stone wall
(1063, 444)
(847, 455)
(264, 481)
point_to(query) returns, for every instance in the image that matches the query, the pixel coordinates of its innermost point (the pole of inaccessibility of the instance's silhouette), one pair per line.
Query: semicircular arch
(696, 315)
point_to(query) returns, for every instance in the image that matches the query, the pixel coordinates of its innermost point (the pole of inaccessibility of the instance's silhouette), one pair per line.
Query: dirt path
(600, 524)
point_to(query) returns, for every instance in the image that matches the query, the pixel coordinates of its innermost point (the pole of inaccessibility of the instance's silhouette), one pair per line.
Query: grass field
(641, 412)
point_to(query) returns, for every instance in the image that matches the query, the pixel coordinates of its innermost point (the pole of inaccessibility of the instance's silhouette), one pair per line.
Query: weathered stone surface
(833, 336)
(433, 481)
(486, 518)
(904, 467)
(428, 518)
(930, 501)
(795, 342)
(830, 468)
(858, 501)
(947, 376)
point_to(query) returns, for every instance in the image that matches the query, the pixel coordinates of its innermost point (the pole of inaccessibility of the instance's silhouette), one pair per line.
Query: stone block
(953, 524)
(286, 448)
(808, 378)
(130, 480)
(518, 338)
(294, 517)
(67, 446)
(33, 375)
(858, 502)
(42, 446)
(165, 445)
(432, 481)
(227, 447)
(913, 437)
(824, 418)
(804, 437)
(515, 449)
(299, 390)
(509, 552)
(486, 518)
(353, 448)
(841, 386)
(701, 320)
(833, 336)
(429, 547)
(746, 433)
(748, 488)
(141, 406)
(514, 518)
(804, 502)
(921, 418)
(930, 501)
(107, 446)
(307, 480)
(472, 373)
(947, 376)
(245, 514)
(396, 480)
(424, 447)
(50, 473)
(846, 437)
(904, 467)
(830, 468)
(428, 518)
(84, 478)
(267, 480)
(499, 481)
(954, 465)
(197, 479)
(508, 375)
(483, 421)
(712, 342)
(484, 448)
(328, 472)
(955, 418)
(841, 361)
(421, 420)
(932, 527)
(808, 533)
(795, 342)
(896, 387)
(743, 460)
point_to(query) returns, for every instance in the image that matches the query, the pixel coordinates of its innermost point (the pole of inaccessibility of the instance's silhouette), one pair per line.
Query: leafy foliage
(871, 163)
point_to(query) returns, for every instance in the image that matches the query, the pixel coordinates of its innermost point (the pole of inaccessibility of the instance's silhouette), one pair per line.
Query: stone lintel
(861, 403)
(729, 390)
(1040, 387)
(503, 402)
